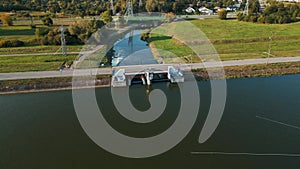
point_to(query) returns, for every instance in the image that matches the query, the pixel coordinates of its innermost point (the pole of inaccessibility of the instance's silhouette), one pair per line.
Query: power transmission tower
(246, 10)
(112, 7)
(129, 9)
(140, 3)
(63, 40)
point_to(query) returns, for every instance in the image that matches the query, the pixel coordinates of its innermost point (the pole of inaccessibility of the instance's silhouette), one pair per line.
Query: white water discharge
(278, 122)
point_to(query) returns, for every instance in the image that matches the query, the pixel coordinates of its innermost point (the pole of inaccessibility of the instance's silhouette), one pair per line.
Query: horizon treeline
(91, 7)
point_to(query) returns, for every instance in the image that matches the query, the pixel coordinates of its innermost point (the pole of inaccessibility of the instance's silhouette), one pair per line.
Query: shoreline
(65, 83)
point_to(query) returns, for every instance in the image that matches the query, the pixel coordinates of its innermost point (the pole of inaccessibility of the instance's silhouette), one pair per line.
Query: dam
(126, 76)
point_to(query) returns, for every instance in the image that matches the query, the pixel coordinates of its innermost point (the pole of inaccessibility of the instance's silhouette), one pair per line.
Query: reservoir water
(261, 119)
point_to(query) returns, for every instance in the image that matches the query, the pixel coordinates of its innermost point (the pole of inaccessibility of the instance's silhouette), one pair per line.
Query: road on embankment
(137, 68)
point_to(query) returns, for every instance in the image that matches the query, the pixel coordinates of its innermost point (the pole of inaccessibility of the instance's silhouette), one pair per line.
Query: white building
(205, 10)
(190, 10)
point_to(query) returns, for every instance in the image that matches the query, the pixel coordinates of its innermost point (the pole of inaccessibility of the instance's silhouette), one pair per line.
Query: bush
(253, 18)
(32, 26)
(47, 21)
(145, 36)
(106, 17)
(33, 41)
(170, 17)
(261, 19)
(240, 17)
(6, 20)
(11, 43)
(222, 14)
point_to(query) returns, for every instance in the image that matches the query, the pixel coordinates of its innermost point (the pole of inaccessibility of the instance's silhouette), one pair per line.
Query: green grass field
(216, 29)
(23, 33)
(33, 63)
(238, 40)
(230, 38)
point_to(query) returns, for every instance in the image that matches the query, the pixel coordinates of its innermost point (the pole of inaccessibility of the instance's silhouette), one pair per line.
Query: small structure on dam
(128, 76)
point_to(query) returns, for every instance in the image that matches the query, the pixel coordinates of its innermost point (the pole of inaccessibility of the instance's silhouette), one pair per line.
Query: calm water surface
(41, 130)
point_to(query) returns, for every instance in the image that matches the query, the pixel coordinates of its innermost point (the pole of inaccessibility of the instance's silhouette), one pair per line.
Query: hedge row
(11, 43)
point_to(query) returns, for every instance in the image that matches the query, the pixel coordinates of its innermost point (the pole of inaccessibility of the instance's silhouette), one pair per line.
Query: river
(261, 119)
(131, 50)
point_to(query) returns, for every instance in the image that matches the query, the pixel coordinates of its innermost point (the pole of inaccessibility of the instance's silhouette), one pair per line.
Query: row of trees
(276, 13)
(91, 7)
(74, 34)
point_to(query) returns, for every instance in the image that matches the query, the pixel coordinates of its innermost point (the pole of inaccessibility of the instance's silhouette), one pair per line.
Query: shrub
(32, 26)
(6, 20)
(253, 18)
(222, 14)
(261, 19)
(33, 41)
(145, 36)
(11, 43)
(106, 17)
(170, 17)
(240, 17)
(47, 21)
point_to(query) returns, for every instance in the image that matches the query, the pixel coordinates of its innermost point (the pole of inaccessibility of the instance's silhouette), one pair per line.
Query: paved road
(101, 71)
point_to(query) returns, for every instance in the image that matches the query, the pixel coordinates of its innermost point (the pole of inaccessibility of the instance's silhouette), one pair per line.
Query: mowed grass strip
(33, 63)
(38, 49)
(23, 33)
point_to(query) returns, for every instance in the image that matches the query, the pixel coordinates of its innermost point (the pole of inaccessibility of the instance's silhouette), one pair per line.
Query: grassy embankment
(232, 40)
(238, 40)
(49, 61)
(49, 84)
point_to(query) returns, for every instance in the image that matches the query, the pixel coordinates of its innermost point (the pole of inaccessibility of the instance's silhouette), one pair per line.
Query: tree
(106, 17)
(151, 5)
(47, 21)
(254, 7)
(38, 32)
(222, 14)
(6, 20)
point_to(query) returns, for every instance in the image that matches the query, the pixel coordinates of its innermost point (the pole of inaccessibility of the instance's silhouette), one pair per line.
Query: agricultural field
(23, 33)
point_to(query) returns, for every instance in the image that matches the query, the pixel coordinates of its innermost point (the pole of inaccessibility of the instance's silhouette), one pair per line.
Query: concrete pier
(126, 77)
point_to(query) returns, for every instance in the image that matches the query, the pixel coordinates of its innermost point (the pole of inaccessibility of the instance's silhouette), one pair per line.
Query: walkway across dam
(124, 77)
(106, 71)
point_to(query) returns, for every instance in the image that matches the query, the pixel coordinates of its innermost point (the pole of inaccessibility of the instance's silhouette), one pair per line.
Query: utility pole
(63, 40)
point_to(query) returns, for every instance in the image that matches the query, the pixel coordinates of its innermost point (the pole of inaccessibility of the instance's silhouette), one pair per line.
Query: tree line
(92, 8)
(274, 13)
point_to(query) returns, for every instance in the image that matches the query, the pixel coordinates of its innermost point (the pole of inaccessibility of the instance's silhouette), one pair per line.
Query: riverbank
(65, 83)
